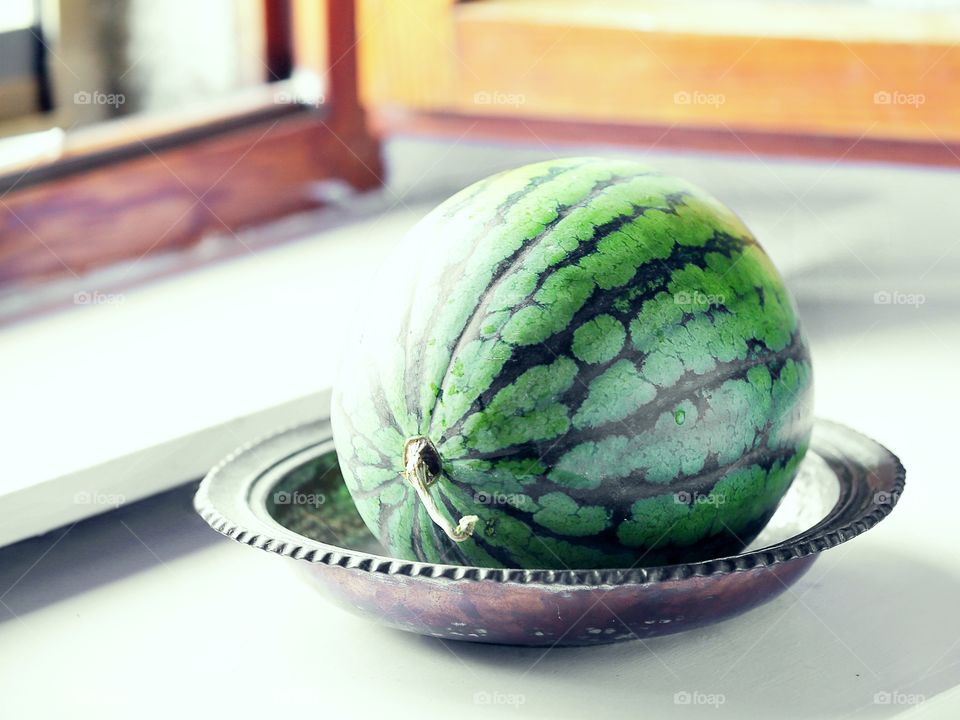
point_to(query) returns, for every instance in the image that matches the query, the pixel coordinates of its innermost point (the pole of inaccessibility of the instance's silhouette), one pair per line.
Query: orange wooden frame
(756, 69)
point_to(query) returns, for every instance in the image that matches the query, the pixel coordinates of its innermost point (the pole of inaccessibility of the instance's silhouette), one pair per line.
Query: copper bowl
(285, 494)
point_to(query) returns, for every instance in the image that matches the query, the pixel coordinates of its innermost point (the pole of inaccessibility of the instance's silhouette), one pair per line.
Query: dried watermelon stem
(422, 467)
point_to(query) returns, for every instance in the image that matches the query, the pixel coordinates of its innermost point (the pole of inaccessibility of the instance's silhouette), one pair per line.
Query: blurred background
(194, 194)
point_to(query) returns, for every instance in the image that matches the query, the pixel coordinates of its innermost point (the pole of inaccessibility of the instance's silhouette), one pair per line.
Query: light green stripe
(617, 392)
(599, 340)
(525, 410)
(736, 412)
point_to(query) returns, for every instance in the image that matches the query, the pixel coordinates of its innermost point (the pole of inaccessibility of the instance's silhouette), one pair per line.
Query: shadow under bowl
(285, 494)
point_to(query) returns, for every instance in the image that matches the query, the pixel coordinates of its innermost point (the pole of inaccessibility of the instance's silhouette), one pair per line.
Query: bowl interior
(312, 499)
(306, 494)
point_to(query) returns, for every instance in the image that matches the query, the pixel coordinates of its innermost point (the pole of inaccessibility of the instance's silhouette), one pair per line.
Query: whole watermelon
(580, 363)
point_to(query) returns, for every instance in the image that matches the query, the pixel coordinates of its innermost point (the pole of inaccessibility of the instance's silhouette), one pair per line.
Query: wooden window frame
(126, 188)
(796, 80)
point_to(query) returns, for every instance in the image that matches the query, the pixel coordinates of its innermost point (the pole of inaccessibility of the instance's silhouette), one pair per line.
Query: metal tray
(285, 494)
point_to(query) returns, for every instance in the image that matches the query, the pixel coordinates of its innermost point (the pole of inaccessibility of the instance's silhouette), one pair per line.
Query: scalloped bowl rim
(247, 470)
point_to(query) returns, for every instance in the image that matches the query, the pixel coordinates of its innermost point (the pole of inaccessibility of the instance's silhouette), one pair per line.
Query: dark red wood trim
(721, 140)
(153, 193)
(342, 68)
(169, 198)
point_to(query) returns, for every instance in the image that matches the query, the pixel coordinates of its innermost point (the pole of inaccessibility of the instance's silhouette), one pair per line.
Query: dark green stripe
(471, 332)
(657, 274)
(688, 386)
(457, 278)
(413, 379)
(508, 267)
